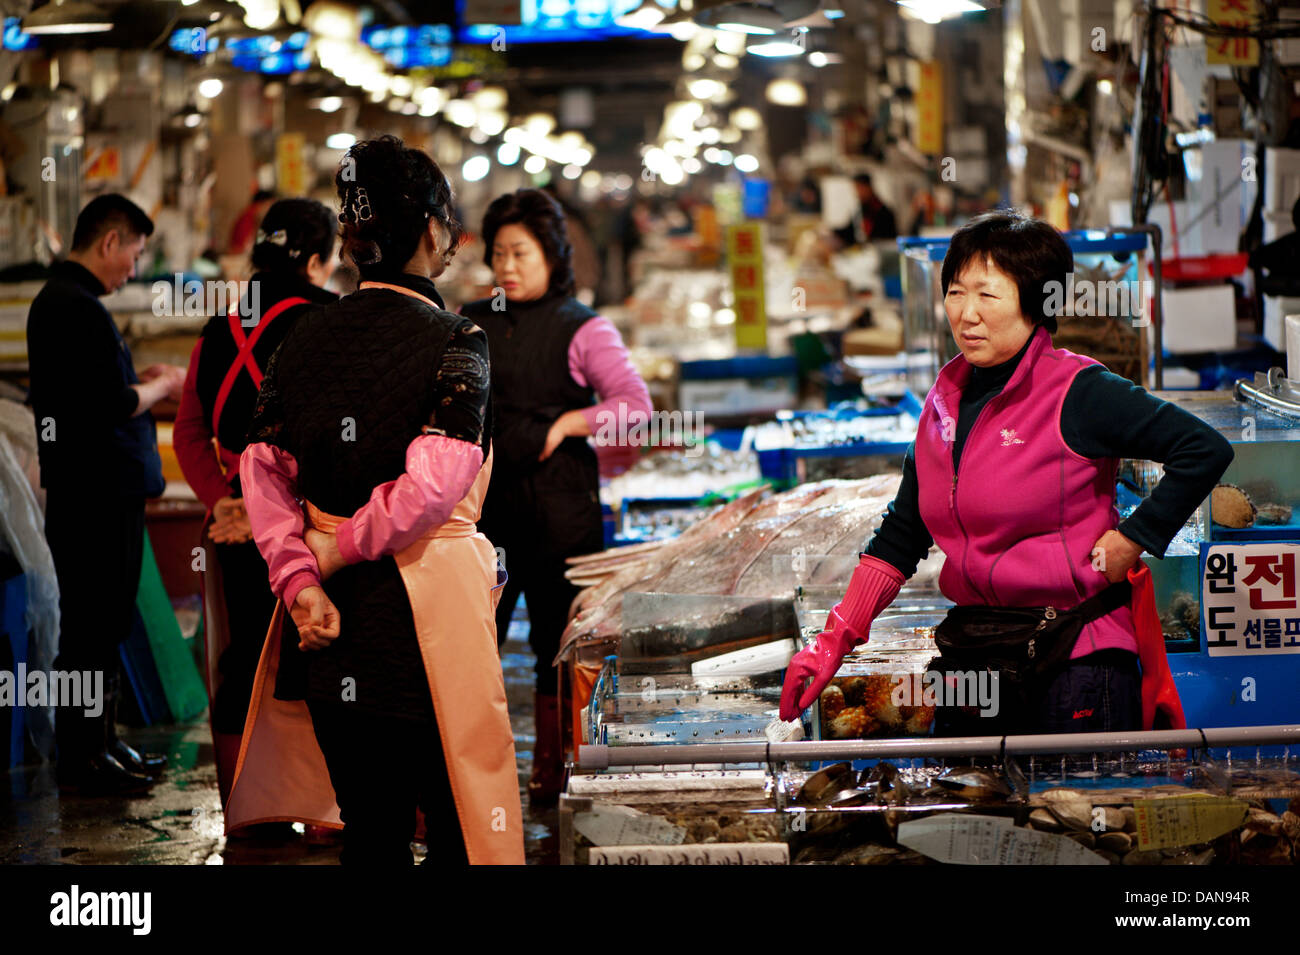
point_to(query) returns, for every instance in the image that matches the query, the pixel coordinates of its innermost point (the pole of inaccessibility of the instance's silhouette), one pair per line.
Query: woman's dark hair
(291, 232)
(1028, 250)
(387, 194)
(542, 216)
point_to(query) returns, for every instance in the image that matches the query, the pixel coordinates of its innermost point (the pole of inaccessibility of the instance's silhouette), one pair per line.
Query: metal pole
(603, 757)
(1157, 304)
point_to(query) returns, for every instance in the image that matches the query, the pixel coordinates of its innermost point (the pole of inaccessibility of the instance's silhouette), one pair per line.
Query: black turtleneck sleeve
(1106, 416)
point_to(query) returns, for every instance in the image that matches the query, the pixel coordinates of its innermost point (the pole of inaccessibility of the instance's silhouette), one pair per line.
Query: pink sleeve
(269, 478)
(439, 472)
(598, 358)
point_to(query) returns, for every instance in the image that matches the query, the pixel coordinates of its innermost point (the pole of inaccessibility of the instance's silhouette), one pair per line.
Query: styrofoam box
(1276, 308)
(1189, 244)
(1281, 179)
(1276, 225)
(1199, 319)
(1222, 198)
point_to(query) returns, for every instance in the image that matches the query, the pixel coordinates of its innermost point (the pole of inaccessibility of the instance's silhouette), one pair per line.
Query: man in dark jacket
(99, 462)
(873, 220)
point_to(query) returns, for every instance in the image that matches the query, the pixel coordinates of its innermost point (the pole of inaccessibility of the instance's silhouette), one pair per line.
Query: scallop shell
(1230, 506)
(1119, 842)
(1043, 820)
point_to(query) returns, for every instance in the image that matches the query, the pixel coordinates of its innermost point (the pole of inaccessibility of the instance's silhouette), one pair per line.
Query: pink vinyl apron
(450, 576)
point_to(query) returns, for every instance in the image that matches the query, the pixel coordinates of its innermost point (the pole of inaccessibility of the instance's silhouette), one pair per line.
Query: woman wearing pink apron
(368, 459)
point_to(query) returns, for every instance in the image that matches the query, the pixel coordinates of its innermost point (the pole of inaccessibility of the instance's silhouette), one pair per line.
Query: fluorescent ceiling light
(776, 48)
(750, 28)
(646, 16)
(750, 18)
(340, 141)
(933, 11)
(72, 16)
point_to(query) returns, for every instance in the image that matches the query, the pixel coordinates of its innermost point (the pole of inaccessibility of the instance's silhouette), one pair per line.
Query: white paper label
(686, 780)
(750, 853)
(1250, 601)
(961, 839)
(624, 826)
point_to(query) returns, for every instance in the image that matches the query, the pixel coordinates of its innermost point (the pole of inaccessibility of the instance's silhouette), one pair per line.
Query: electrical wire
(1261, 30)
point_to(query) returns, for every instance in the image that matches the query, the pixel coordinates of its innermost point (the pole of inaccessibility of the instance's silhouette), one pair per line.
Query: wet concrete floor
(180, 822)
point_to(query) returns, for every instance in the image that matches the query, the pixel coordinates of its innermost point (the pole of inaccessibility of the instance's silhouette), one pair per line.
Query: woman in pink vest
(1012, 474)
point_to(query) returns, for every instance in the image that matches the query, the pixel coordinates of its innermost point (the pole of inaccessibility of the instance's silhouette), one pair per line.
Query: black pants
(548, 595)
(382, 769)
(249, 605)
(1098, 693)
(97, 545)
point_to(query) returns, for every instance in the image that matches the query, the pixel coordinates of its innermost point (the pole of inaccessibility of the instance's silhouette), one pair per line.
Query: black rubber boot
(144, 764)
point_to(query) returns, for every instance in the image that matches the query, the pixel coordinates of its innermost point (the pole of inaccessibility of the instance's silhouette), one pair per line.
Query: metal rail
(605, 757)
(1244, 390)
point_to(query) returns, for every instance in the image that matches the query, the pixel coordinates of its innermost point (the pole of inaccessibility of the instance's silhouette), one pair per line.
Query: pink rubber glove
(873, 587)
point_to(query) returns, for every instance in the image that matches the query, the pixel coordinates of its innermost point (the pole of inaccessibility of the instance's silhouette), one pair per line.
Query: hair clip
(275, 238)
(361, 211)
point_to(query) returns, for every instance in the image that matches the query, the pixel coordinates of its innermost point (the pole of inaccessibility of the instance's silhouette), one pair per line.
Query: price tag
(749, 853)
(964, 839)
(1186, 820)
(622, 825)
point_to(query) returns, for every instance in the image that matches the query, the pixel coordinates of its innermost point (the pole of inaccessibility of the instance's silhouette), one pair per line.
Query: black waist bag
(1026, 646)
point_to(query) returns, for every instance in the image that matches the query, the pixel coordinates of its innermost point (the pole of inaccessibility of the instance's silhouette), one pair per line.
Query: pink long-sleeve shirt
(598, 359)
(439, 472)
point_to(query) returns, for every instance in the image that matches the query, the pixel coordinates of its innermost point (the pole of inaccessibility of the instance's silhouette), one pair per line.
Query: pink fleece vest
(1019, 519)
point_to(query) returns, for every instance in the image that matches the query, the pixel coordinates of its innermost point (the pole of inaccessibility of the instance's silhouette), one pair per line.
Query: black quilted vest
(528, 344)
(356, 382)
(540, 512)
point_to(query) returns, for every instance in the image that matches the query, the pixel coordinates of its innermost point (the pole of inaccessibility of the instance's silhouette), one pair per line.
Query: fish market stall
(1114, 799)
(679, 756)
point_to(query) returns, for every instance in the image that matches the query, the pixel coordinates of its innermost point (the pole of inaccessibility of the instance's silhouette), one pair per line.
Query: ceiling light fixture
(67, 16)
(934, 11)
(645, 16)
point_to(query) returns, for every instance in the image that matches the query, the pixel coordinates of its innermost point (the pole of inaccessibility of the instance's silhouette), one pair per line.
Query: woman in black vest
(293, 256)
(374, 419)
(551, 357)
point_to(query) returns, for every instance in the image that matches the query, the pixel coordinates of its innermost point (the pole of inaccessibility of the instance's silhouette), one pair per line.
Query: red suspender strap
(244, 357)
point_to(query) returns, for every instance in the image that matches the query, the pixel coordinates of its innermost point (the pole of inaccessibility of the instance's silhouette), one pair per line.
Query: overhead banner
(745, 260)
(290, 165)
(1232, 50)
(929, 109)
